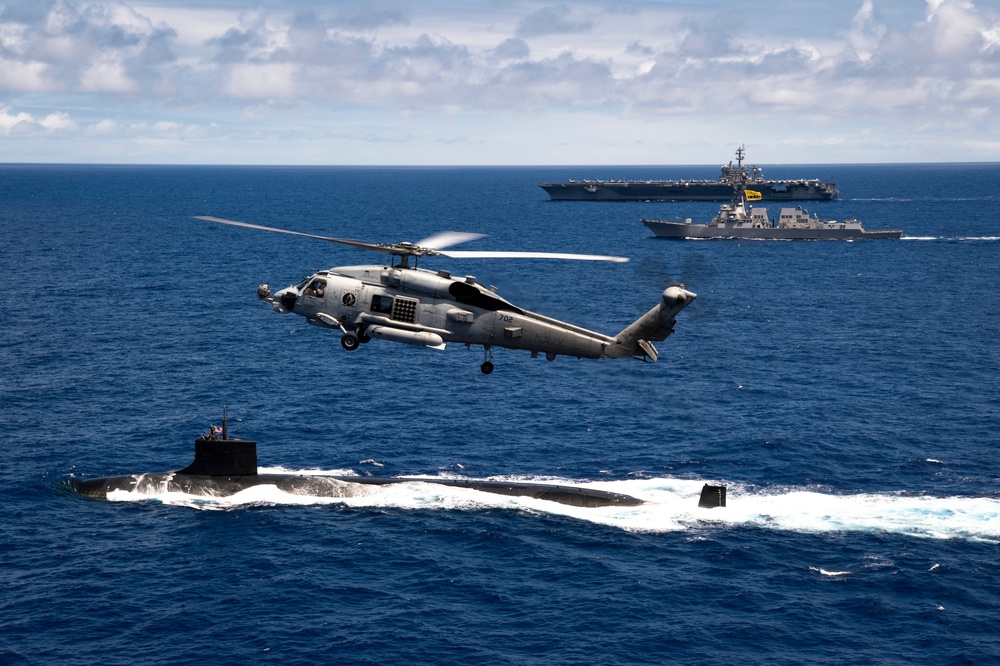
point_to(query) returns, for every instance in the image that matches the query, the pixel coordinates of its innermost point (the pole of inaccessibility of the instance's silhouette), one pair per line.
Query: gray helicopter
(403, 303)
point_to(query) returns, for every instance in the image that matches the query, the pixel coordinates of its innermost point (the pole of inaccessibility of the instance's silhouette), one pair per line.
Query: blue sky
(483, 82)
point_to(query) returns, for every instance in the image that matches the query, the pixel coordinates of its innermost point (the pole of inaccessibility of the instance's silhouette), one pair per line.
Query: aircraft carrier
(732, 179)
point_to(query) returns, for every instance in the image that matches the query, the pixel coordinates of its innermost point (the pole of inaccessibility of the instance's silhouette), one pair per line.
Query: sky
(499, 82)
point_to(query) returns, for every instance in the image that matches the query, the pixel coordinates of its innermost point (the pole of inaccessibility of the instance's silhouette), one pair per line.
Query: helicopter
(401, 302)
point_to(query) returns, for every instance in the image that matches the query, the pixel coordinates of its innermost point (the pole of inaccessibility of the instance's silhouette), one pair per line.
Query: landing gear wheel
(487, 366)
(364, 338)
(350, 341)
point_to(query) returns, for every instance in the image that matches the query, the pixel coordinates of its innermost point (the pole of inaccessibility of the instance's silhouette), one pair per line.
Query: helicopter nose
(284, 300)
(288, 298)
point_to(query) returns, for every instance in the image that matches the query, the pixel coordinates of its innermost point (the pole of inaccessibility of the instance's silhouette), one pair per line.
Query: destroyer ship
(732, 179)
(740, 220)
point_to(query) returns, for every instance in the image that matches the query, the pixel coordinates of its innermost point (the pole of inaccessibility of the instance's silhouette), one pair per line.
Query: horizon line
(476, 166)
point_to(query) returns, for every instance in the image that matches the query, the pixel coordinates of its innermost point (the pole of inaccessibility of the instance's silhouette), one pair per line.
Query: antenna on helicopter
(225, 424)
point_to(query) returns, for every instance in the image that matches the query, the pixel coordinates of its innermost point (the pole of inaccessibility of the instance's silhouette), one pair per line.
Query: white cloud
(106, 75)
(104, 127)
(9, 120)
(20, 76)
(23, 123)
(554, 20)
(266, 67)
(57, 121)
(369, 15)
(512, 48)
(645, 67)
(956, 29)
(865, 33)
(261, 81)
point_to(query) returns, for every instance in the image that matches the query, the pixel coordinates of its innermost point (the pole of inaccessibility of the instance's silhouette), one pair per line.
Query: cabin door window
(382, 304)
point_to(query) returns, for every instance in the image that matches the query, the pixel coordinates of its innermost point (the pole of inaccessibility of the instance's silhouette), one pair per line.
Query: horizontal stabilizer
(648, 349)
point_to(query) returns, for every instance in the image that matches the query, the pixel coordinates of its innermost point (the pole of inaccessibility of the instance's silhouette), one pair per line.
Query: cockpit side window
(316, 288)
(381, 304)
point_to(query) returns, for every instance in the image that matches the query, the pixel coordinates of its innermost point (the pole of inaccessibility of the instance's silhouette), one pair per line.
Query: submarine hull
(332, 486)
(224, 466)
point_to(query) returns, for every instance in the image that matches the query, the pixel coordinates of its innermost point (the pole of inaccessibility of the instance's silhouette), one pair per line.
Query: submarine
(224, 466)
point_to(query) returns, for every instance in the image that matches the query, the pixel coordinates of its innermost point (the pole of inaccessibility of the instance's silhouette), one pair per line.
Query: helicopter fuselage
(403, 303)
(429, 309)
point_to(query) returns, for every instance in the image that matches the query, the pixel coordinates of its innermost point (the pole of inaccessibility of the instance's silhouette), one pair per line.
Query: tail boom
(654, 326)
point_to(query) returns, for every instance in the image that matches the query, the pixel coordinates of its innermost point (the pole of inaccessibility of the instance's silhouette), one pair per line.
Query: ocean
(846, 393)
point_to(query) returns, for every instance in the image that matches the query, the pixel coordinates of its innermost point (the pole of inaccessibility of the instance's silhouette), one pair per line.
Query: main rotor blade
(531, 255)
(342, 241)
(426, 246)
(447, 239)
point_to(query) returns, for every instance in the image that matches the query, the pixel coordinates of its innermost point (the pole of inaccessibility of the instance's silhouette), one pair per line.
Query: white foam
(824, 572)
(307, 472)
(669, 505)
(966, 239)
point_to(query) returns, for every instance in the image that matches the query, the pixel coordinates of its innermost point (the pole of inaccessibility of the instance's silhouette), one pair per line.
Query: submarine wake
(668, 505)
(224, 475)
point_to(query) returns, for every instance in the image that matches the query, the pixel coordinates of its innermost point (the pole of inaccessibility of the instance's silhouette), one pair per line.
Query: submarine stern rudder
(712, 497)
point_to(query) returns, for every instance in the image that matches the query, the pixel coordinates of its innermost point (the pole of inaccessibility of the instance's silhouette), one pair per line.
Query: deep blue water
(847, 393)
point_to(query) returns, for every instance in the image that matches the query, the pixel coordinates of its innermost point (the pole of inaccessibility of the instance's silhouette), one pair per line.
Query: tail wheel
(350, 341)
(487, 366)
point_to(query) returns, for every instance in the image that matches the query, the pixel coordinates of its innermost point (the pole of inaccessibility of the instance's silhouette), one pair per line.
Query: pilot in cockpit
(316, 288)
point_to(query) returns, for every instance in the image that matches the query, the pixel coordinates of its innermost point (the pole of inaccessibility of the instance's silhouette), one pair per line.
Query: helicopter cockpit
(313, 287)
